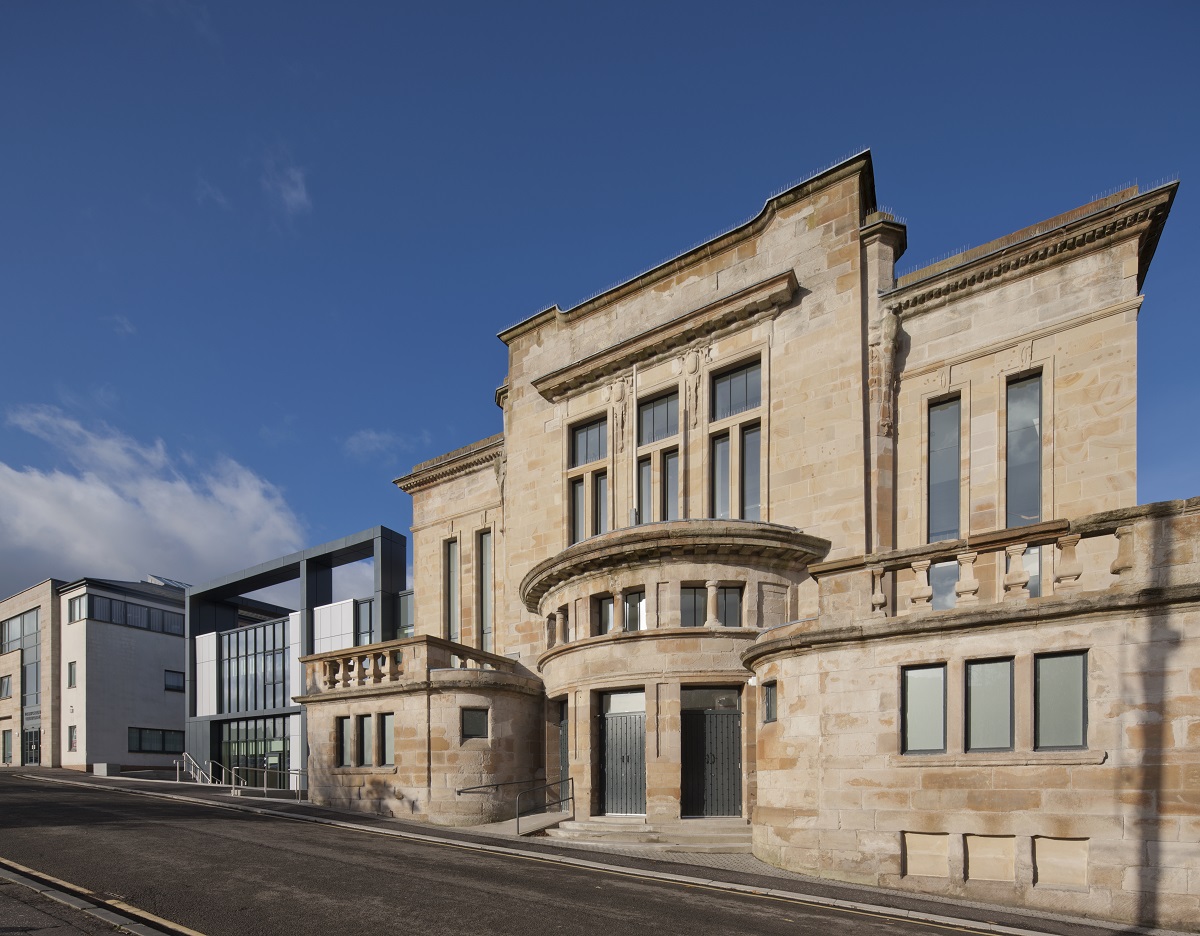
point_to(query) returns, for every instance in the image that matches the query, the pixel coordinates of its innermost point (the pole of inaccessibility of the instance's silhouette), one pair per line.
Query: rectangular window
(119, 612)
(173, 681)
(253, 667)
(71, 675)
(101, 608)
(155, 741)
(923, 709)
(6, 752)
(5, 687)
(345, 742)
(599, 504)
(137, 616)
(645, 494)
(719, 476)
(729, 606)
(768, 698)
(589, 442)
(989, 705)
(737, 391)
(1060, 701)
(693, 606)
(486, 589)
(474, 723)
(387, 739)
(670, 486)
(658, 419)
(450, 590)
(173, 623)
(605, 622)
(72, 738)
(578, 511)
(77, 609)
(635, 611)
(1023, 490)
(751, 481)
(944, 465)
(363, 622)
(366, 741)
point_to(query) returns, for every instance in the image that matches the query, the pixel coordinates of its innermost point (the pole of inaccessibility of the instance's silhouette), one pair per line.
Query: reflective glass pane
(944, 470)
(989, 705)
(924, 726)
(670, 486)
(750, 500)
(1061, 720)
(600, 504)
(644, 495)
(720, 477)
(943, 576)
(578, 511)
(1024, 452)
(693, 606)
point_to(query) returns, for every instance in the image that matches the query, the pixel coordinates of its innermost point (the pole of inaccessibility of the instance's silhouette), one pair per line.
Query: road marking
(93, 903)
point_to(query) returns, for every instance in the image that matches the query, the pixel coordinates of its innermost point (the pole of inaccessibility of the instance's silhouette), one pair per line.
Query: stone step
(727, 835)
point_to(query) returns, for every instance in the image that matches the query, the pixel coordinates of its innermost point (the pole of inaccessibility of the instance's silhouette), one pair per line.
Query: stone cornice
(763, 298)
(858, 165)
(1141, 216)
(676, 539)
(741, 634)
(1001, 615)
(459, 462)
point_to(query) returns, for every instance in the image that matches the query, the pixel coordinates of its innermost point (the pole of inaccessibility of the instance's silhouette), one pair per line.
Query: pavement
(736, 874)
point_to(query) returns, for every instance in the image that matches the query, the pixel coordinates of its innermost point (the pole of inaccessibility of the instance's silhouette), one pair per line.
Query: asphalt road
(228, 873)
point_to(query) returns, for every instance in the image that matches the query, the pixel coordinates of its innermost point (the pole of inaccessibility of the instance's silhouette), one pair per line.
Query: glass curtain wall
(259, 749)
(254, 668)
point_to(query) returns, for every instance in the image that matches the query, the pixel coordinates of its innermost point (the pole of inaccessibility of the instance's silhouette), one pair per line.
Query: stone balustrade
(1145, 546)
(397, 661)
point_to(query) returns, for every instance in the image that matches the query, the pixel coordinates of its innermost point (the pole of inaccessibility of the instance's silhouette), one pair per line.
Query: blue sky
(253, 256)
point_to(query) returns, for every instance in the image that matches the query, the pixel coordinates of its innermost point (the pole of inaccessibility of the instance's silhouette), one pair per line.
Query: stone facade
(713, 504)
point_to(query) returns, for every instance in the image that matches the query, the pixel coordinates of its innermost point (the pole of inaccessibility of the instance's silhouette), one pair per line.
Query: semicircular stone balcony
(679, 597)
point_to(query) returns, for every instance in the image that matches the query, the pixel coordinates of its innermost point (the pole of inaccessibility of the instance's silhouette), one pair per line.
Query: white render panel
(206, 674)
(74, 701)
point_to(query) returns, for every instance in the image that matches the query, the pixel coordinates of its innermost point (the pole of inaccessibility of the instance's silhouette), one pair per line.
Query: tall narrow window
(485, 587)
(72, 738)
(989, 705)
(600, 503)
(366, 741)
(729, 605)
(71, 675)
(719, 469)
(944, 466)
(387, 739)
(923, 709)
(645, 495)
(345, 742)
(693, 606)
(605, 621)
(450, 590)
(769, 701)
(1060, 701)
(635, 611)
(658, 419)
(578, 511)
(670, 485)
(750, 481)
(737, 391)
(77, 609)
(589, 442)
(1023, 492)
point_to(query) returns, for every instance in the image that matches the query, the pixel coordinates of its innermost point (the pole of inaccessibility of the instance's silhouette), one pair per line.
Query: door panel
(711, 769)
(625, 764)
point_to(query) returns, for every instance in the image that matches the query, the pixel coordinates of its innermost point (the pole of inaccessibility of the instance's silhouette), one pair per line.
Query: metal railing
(569, 783)
(229, 776)
(245, 783)
(492, 786)
(187, 764)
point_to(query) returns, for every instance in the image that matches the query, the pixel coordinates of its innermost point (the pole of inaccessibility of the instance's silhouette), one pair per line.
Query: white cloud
(366, 444)
(207, 192)
(125, 508)
(122, 325)
(287, 188)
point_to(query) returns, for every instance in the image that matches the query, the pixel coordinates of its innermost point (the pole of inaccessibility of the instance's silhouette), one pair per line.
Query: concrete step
(700, 835)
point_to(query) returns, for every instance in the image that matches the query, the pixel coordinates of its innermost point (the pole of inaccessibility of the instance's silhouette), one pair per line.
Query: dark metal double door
(712, 763)
(625, 764)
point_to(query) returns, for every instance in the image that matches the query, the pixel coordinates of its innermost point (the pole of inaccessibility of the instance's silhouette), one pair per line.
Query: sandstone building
(853, 560)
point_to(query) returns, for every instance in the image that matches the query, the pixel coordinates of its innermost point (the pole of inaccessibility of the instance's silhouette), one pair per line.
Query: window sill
(351, 771)
(1000, 759)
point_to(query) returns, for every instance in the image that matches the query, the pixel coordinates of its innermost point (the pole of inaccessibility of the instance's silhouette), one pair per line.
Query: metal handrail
(194, 770)
(492, 786)
(226, 773)
(569, 798)
(267, 770)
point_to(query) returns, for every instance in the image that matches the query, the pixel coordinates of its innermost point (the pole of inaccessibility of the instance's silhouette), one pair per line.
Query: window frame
(940, 403)
(167, 687)
(649, 406)
(72, 675)
(770, 697)
(6, 686)
(904, 708)
(596, 421)
(343, 738)
(717, 377)
(466, 710)
(626, 595)
(73, 738)
(452, 589)
(700, 608)
(968, 748)
(1029, 378)
(1037, 701)
(723, 592)
(387, 739)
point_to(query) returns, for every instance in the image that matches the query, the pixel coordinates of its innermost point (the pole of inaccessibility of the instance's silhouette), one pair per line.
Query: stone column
(713, 620)
(561, 624)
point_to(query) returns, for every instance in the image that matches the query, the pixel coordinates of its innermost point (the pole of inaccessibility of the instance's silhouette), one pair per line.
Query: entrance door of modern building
(711, 768)
(623, 756)
(31, 746)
